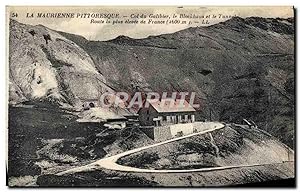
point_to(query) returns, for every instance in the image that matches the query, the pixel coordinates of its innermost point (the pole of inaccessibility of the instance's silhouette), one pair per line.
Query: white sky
(109, 31)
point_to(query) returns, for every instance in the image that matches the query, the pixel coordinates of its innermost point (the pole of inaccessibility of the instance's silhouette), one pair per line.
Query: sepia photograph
(150, 96)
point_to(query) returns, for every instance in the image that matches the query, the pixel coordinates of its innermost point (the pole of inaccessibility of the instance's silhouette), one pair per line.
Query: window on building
(159, 123)
(186, 117)
(168, 119)
(193, 118)
(148, 118)
(178, 119)
(148, 111)
(164, 118)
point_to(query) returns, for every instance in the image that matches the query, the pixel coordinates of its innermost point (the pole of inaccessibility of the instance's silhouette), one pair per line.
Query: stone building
(165, 112)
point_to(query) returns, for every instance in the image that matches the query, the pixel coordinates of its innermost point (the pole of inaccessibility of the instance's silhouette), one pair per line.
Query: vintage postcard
(150, 96)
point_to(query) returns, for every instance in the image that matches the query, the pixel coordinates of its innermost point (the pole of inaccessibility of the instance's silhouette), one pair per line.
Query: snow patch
(43, 82)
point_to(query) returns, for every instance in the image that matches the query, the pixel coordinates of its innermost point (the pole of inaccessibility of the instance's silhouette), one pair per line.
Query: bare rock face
(45, 65)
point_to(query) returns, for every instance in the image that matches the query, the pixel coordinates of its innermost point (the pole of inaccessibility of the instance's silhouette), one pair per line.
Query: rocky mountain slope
(231, 146)
(45, 65)
(241, 68)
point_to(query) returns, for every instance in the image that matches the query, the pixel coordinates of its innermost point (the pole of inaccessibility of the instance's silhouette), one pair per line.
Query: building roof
(98, 114)
(166, 106)
(123, 111)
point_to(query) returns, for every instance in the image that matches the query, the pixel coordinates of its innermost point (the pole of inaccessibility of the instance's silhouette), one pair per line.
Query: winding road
(110, 163)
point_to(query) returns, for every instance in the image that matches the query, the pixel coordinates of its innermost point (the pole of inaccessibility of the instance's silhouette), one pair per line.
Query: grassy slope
(229, 177)
(233, 145)
(236, 145)
(44, 139)
(46, 155)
